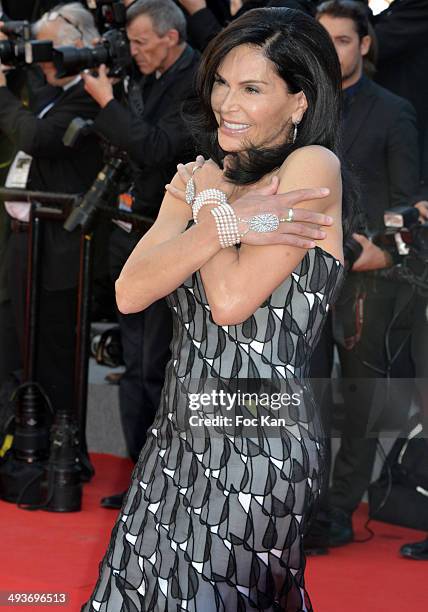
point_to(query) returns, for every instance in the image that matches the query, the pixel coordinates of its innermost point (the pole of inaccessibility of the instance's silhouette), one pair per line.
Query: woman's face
(251, 102)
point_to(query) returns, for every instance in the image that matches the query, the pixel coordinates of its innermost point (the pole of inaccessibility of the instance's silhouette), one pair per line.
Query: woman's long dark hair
(304, 57)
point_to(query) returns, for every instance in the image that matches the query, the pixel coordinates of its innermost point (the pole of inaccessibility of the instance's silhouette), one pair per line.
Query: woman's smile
(231, 128)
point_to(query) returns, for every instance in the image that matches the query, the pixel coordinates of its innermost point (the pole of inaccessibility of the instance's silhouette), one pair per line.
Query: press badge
(126, 201)
(17, 178)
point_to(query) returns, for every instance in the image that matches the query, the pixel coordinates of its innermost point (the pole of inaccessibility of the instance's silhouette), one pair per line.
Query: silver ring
(289, 218)
(196, 167)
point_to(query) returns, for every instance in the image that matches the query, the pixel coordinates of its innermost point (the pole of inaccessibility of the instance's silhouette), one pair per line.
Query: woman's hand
(211, 177)
(301, 232)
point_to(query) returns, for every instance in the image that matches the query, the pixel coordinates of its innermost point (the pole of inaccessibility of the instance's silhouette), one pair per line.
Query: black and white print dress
(213, 519)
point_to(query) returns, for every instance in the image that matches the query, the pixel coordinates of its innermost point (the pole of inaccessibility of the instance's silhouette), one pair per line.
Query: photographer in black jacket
(18, 83)
(150, 128)
(47, 165)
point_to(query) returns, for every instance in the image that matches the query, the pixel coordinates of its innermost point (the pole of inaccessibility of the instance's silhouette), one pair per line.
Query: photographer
(44, 163)
(402, 30)
(150, 128)
(9, 352)
(380, 142)
(203, 23)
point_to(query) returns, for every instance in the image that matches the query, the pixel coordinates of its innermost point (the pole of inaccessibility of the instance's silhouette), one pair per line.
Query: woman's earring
(295, 131)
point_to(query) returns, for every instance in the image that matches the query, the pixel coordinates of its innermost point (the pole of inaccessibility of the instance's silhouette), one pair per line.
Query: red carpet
(56, 553)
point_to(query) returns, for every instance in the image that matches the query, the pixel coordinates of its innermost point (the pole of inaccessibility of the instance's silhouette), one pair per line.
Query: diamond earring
(295, 131)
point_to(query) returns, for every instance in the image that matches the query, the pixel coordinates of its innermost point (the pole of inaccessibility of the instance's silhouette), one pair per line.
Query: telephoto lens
(69, 61)
(7, 52)
(113, 51)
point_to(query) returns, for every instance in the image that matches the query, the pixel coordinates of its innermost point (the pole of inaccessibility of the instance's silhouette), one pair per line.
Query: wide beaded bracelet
(208, 196)
(227, 225)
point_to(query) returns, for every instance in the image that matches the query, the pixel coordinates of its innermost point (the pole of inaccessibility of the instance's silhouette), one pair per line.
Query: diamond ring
(266, 222)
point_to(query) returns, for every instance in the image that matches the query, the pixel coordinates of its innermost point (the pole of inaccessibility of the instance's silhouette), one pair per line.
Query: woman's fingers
(302, 195)
(178, 193)
(303, 215)
(200, 160)
(256, 239)
(183, 173)
(269, 189)
(292, 240)
(302, 229)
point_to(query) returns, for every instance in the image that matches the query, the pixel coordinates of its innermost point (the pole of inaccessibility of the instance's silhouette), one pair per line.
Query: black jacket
(380, 143)
(55, 167)
(157, 138)
(402, 33)
(204, 25)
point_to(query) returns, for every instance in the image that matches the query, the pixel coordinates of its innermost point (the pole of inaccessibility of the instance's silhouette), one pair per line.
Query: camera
(404, 235)
(108, 13)
(19, 49)
(112, 50)
(406, 240)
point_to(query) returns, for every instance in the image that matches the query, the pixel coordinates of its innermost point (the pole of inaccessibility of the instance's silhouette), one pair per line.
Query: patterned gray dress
(213, 518)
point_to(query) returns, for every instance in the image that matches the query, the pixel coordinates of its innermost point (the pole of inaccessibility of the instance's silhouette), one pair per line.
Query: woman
(214, 516)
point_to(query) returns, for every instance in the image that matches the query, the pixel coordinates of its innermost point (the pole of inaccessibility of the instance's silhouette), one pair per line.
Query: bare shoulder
(316, 153)
(314, 163)
(316, 166)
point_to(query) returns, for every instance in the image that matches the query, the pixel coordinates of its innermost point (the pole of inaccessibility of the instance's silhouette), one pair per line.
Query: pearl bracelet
(208, 196)
(227, 225)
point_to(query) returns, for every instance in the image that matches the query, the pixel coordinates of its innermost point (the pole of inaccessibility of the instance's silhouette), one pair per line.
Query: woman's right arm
(165, 256)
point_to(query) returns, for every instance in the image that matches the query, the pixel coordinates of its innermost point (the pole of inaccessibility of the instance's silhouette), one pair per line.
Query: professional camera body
(404, 235)
(405, 239)
(112, 50)
(19, 49)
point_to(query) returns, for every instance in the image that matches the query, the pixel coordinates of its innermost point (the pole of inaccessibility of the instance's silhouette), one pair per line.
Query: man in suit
(402, 31)
(151, 129)
(9, 353)
(50, 166)
(380, 144)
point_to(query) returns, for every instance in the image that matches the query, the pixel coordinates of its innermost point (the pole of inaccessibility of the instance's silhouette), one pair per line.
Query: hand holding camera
(372, 257)
(101, 87)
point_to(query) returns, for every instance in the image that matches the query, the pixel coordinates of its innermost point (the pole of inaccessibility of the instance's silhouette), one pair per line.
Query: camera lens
(7, 52)
(69, 61)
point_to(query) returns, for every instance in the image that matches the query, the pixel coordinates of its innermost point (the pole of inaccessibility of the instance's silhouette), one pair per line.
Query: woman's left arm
(237, 282)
